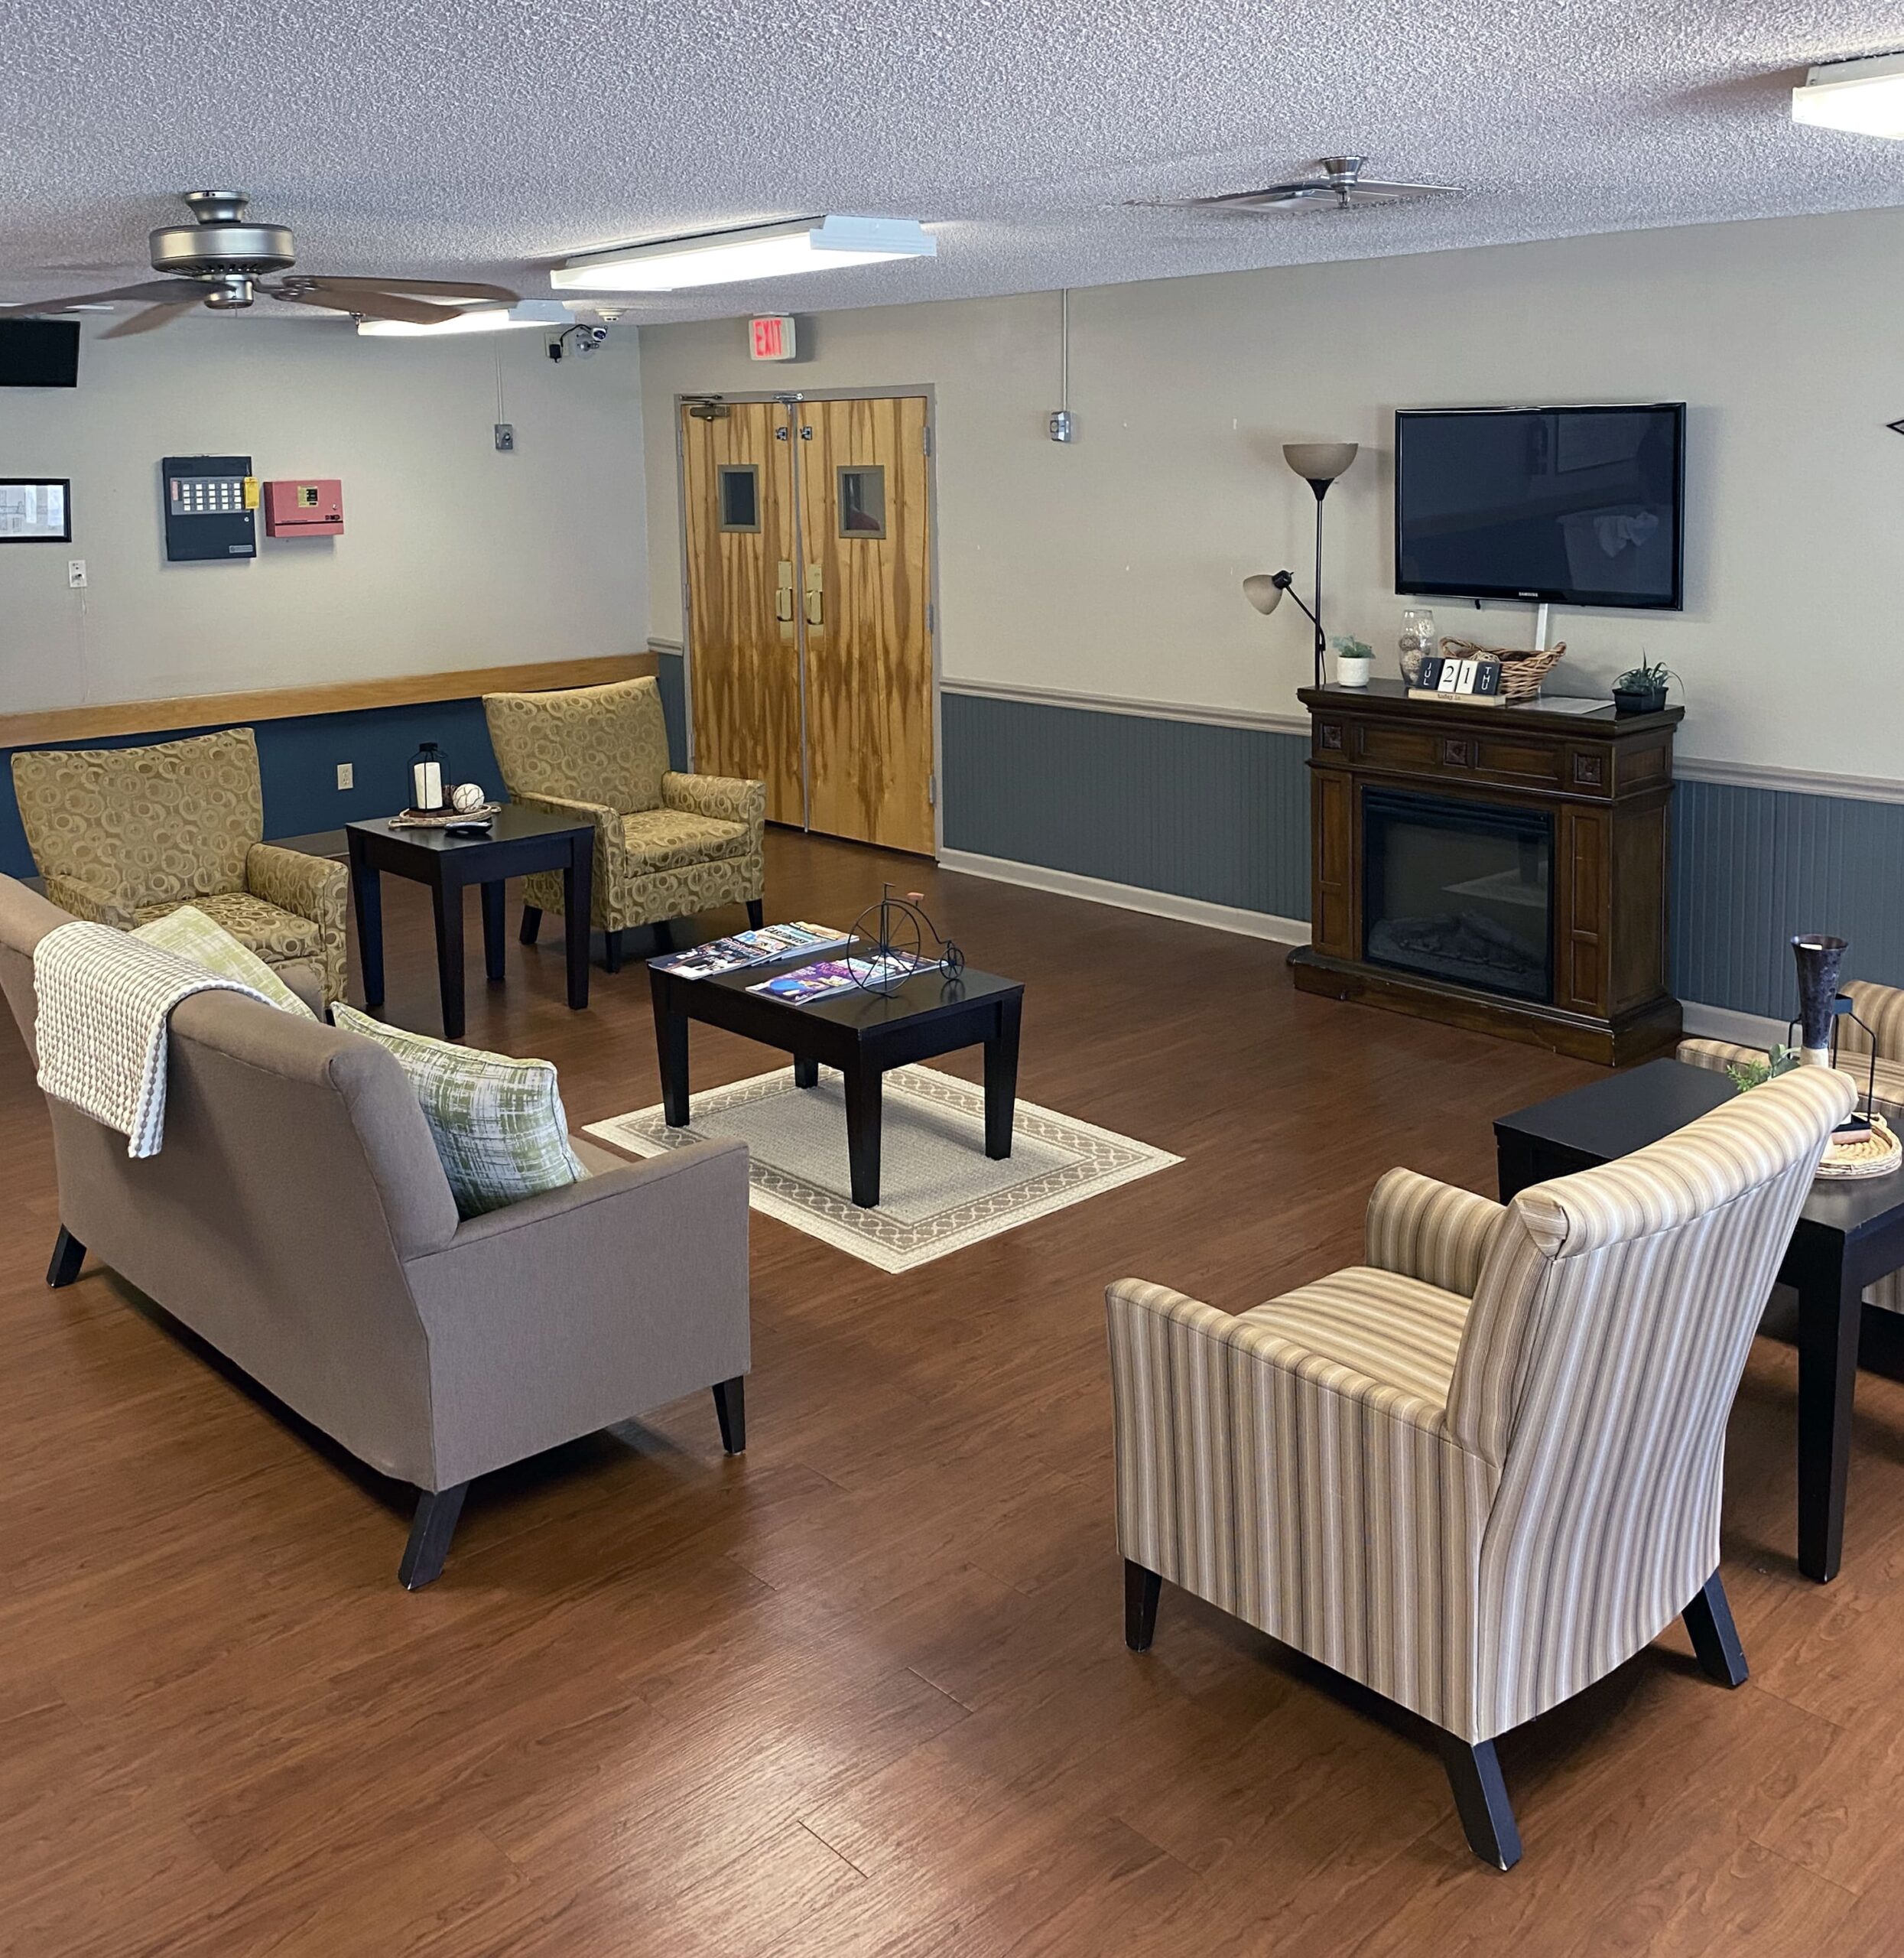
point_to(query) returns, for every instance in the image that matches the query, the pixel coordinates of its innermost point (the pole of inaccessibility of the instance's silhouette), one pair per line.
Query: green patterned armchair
(123, 835)
(666, 845)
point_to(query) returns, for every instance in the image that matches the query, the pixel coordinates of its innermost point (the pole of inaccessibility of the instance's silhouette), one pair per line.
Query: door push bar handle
(816, 597)
(783, 604)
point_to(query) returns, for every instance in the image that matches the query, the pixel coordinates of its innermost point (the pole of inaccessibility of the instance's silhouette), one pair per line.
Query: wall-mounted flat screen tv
(39, 353)
(1558, 505)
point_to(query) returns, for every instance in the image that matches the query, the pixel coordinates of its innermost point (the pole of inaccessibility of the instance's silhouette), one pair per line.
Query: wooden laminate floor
(863, 1690)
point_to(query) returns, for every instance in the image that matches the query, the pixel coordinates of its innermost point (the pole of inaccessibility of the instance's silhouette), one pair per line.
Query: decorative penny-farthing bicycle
(890, 940)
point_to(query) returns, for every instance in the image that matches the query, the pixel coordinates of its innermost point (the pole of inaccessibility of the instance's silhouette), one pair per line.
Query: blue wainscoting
(298, 759)
(1222, 814)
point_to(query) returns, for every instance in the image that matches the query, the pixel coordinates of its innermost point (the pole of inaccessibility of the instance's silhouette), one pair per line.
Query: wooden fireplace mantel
(1605, 784)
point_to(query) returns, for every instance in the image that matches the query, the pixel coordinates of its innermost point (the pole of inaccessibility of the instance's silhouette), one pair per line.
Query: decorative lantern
(428, 781)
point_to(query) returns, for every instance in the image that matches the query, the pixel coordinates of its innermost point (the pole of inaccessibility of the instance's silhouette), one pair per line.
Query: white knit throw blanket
(106, 1001)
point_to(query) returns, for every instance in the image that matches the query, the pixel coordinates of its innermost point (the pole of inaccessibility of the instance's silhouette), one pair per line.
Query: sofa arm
(316, 888)
(727, 797)
(584, 1306)
(1430, 1230)
(1884, 1082)
(87, 901)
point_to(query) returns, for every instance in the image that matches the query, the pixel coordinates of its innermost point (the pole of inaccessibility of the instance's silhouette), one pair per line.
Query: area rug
(938, 1191)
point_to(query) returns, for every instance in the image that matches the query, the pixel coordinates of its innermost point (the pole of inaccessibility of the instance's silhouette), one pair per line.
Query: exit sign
(771, 339)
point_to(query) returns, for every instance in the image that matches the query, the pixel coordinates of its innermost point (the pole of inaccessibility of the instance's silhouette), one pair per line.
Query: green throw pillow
(498, 1123)
(190, 934)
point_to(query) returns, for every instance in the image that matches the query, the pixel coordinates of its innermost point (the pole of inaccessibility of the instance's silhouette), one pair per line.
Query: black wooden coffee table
(862, 1034)
(1849, 1234)
(519, 840)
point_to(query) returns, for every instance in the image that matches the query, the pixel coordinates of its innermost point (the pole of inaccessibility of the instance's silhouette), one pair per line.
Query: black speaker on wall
(39, 353)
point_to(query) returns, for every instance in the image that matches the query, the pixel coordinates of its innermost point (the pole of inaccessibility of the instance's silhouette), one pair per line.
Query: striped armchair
(1882, 1009)
(1481, 1470)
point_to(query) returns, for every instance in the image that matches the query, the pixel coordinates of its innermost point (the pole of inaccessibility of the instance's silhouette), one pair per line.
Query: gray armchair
(297, 1219)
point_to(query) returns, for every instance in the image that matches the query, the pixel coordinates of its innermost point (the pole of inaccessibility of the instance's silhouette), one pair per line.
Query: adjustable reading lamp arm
(1285, 582)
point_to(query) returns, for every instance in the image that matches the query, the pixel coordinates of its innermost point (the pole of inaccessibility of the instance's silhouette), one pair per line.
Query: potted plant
(1642, 689)
(1354, 662)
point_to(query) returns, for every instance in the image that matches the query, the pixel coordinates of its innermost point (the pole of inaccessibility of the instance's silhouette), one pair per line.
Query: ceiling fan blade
(469, 289)
(372, 305)
(153, 289)
(159, 314)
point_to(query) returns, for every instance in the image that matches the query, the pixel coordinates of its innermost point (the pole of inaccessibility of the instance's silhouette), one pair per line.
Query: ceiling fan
(1342, 186)
(223, 260)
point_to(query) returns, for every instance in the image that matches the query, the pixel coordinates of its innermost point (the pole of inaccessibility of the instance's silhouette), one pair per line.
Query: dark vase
(1819, 957)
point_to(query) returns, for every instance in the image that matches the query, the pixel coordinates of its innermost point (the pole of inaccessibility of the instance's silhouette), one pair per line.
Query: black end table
(860, 1033)
(1849, 1234)
(518, 840)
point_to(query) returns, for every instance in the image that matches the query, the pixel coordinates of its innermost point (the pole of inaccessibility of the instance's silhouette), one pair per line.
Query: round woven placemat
(1876, 1155)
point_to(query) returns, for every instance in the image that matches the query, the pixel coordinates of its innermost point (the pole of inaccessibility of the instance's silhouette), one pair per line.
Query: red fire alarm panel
(304, 509)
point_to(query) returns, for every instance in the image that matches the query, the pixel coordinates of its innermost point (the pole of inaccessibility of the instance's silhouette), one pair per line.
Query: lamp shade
(1319, 461)
(1264, 592)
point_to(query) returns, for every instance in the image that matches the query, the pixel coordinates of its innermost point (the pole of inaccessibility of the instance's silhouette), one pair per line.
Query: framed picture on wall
(36, 509)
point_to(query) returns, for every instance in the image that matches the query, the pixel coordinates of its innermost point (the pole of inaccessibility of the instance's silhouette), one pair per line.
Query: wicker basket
(1522, 672)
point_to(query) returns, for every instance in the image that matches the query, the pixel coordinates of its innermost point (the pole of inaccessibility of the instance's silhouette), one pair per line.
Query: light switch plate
(75, 573)
(346, 775)
(505, 436)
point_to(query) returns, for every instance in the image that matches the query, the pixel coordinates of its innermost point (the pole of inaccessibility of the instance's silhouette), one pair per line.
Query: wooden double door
(809, 587)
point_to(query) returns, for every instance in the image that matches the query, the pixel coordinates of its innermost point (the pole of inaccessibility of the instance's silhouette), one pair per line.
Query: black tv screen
(1561, 506)
(39, 353)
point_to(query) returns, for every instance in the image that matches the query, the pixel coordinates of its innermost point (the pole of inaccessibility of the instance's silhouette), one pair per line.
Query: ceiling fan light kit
(753, 252)
(1865, 97)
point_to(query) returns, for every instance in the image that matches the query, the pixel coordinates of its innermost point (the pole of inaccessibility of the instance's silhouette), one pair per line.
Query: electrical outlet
(346, 775)
(505, 436)
(75, 573)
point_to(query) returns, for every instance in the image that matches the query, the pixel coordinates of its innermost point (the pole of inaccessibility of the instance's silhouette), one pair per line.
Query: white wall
(452, 555)
(1113, 567)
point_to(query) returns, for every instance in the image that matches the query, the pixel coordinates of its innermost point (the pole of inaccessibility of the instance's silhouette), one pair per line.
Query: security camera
(579, 340)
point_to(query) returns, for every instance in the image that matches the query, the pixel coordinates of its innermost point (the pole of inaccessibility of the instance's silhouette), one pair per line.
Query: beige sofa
(297, 1219)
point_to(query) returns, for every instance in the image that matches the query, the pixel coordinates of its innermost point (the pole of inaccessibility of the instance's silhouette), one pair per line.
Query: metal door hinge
(927, 433)
(932, 792)
(931, 617)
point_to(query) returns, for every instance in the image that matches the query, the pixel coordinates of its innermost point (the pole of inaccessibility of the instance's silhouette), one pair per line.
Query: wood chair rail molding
(103, 720)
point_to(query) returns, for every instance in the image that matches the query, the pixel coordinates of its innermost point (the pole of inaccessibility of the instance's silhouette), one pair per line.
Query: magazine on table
(838, 975)
(754, 947)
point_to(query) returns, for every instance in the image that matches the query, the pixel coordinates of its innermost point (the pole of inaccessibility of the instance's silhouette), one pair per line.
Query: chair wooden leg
(1141, 1589)
(611, 951)
(756, 912)
(433, 1525)
(1715, 1638)
(1481, 1795)
(68, 1255)
(730, 1410)
(531, 923)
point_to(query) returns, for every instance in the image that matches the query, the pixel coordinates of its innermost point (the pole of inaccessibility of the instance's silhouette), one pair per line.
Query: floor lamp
(1318, 463)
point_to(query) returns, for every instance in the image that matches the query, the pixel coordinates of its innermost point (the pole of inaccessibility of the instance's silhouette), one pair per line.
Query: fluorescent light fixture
(483, 320)
(756, 250)
(1866, 97)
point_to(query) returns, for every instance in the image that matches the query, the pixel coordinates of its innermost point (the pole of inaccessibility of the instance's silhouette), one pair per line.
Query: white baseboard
(1130, 897)
(1748, 1029)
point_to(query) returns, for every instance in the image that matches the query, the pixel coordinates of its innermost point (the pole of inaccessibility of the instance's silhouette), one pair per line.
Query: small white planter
(1353, 672)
